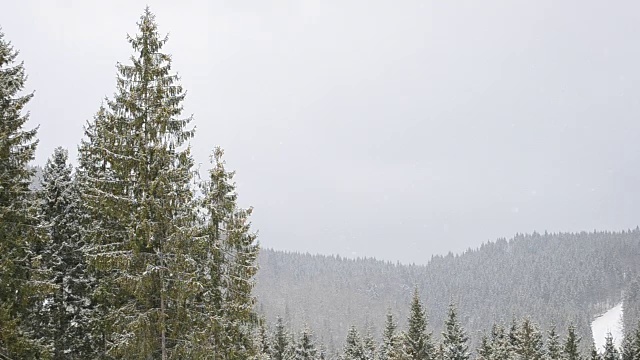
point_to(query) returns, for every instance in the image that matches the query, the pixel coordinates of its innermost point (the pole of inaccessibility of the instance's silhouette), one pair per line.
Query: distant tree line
(521, 339)
(558, 279)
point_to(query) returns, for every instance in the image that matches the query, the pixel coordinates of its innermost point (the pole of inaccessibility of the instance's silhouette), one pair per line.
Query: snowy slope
(610, 321)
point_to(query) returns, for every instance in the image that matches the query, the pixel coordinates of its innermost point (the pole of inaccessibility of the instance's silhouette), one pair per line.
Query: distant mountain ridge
(555, 279)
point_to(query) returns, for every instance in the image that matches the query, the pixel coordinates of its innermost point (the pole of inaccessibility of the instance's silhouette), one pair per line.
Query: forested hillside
(555, 279)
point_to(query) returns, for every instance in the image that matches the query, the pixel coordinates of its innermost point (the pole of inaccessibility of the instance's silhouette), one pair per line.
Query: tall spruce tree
(281, 346)
(610, 351)
(484, 350)
(228, 263)
(627, 352)
(262, 342)
(501, 348)
(64, 311)
(369, 345)
(391, 347)
(636, 342)
(417, 341)
(553, 350)
(17, 220)
(530, 344)
(137, 172)
(571, 345)
(354, 347)
(593, 353)
(305, 347)
(454, 338)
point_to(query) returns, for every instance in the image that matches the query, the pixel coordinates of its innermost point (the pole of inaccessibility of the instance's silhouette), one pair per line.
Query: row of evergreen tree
(521, 340)
(558, 279)
(131, 255)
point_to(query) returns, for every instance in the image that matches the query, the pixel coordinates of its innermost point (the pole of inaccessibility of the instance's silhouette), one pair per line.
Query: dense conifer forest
(134, 254)
(556, 279)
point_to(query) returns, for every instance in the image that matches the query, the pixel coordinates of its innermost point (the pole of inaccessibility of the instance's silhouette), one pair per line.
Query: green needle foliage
(17, 220)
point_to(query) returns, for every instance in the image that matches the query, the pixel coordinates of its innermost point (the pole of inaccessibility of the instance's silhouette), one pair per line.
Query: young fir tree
(281, 346)
(501, 348)
(65, 310)
(553, 351)
(391, 347)
(417, 341)
(610, 351)
(137, 172)
(513, 335)
(369, 345)
(530, 344)
(593, 353)
(353, 348)
(636, 343)
(263, 343)
(627, 352)
(571, 345)
(484, 350)
(454, 338)
(230, 263)
(17, 221)
(305, 348)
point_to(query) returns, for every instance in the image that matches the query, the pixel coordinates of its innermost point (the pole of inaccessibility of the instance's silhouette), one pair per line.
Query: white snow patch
(609, 322)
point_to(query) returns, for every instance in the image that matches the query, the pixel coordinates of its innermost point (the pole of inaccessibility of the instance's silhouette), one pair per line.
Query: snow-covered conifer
(282, 344)
(501, 348)
(391, 347)
(530, 343)
(137, 172)
(610, 351)
(417, 341)
(64, 314)
(571, 345)
(353, 348)
(227, 253)
(454, 338)
(593, 353)
(17, 221)
(484, 350)
(305, 347)
(553, 351)
(627, 352)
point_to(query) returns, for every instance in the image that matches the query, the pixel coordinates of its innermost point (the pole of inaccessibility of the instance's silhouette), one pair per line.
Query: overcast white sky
(394, 129)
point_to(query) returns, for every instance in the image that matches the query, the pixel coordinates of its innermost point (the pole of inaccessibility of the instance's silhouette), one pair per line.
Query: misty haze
(313, 179)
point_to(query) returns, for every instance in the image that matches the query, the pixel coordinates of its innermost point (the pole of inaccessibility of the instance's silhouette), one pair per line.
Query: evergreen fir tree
(610, 351)
(636, 343)
(627, 352)
(354, 348)
(455, 339)
(65, 311)
(281, 344)
(263, 342)
(530, 344)
(17, 221)
(513, 336)
(417, 342)
(391, 347)
(553, 346)
(593, 353)
(501, 348)
(230, 262)
(484, 351)
(571, 345)
(137, 173)
(305, 349)
(369, 345)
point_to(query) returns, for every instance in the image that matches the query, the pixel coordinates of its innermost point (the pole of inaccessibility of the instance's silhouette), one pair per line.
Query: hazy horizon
(373, 129)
